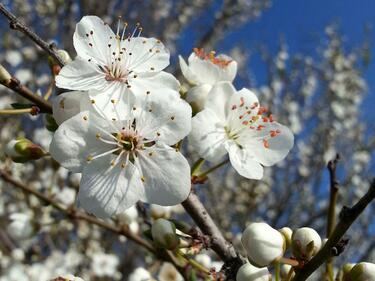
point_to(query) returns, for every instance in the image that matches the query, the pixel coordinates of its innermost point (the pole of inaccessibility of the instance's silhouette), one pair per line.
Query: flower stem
(277, 271)
(193, 263)
(210, 170)
(196, 166)
(15, 111)
(291, 262)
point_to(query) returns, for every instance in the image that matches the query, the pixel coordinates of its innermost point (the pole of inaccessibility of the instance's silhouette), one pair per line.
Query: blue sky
(301, 23)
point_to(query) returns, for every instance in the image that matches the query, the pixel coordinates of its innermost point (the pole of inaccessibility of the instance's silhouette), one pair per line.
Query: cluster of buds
(22, 150)
(266, 246)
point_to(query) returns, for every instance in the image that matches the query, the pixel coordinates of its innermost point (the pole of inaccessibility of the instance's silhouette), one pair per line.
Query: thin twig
(346, 218)
(18, 25)
(15, 85)
(331, 216)
(222, 247)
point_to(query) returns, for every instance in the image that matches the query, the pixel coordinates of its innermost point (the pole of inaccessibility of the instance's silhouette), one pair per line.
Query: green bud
(22, 150)
(164, 234)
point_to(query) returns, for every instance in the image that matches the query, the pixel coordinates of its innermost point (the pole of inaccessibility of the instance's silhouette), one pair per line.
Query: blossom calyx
(264, 244)
(287, 232)
(306, 242)
(248, 272)
(363, 271)
(22, 150)
(164, 234)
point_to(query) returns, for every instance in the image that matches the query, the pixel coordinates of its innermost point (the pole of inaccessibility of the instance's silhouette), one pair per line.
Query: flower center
(211, 57)
(129, 141)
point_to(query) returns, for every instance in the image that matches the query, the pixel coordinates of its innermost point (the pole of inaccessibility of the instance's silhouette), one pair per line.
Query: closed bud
(264, 245)
(346, 270)
(22, 150)
(164, 234)
(158, 211)
(248, 272)
(306, 242)
(287, 233)
(285, 271)
(64, 55)
(5, 77)
(363, 271)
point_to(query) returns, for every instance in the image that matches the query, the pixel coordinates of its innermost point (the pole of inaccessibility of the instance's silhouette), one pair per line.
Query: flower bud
(287, 233)
(158, 211)
(22, 150)
(346, 270)
(263, 244)
(164, 234)
(306, 242)
(5, 77)
(64, 55)
(363, 271)
(248, 272)
(20, 226)
(284, 271)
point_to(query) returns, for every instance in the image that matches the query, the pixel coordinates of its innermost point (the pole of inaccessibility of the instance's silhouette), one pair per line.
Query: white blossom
(128, 158)
(118, 66)
(104, 264)
(140, 274)
(232, 123)
(203, 71)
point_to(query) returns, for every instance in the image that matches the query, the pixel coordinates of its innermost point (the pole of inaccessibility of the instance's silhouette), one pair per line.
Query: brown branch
(346, 218)
(14, 23)
(222, 247)
(75, 214)
(15, 85)
(331, 216)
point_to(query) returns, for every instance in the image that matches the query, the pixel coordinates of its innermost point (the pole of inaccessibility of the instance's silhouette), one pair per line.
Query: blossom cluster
(121, 123)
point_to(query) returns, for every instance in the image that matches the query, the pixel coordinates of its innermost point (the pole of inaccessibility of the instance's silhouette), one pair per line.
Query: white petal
(152, 82)
(219, 98)
(69, 104)
(208, 136)
(148, 54)
(243, 162)
(229, 72)
(106, 191)
(91, 39)
(166, 175)
(204, 70)
(75, 140)
(186, 71)
(278, 146)
(197, 96)
(165, 117)
(81, 75)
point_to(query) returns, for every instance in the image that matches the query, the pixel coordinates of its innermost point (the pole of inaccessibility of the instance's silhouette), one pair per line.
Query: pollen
(98, 135)
(89, 158)
(85, 118)
(266, 143)
(113, 101)
(143, 179)
(211, 57)
(92, 101)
